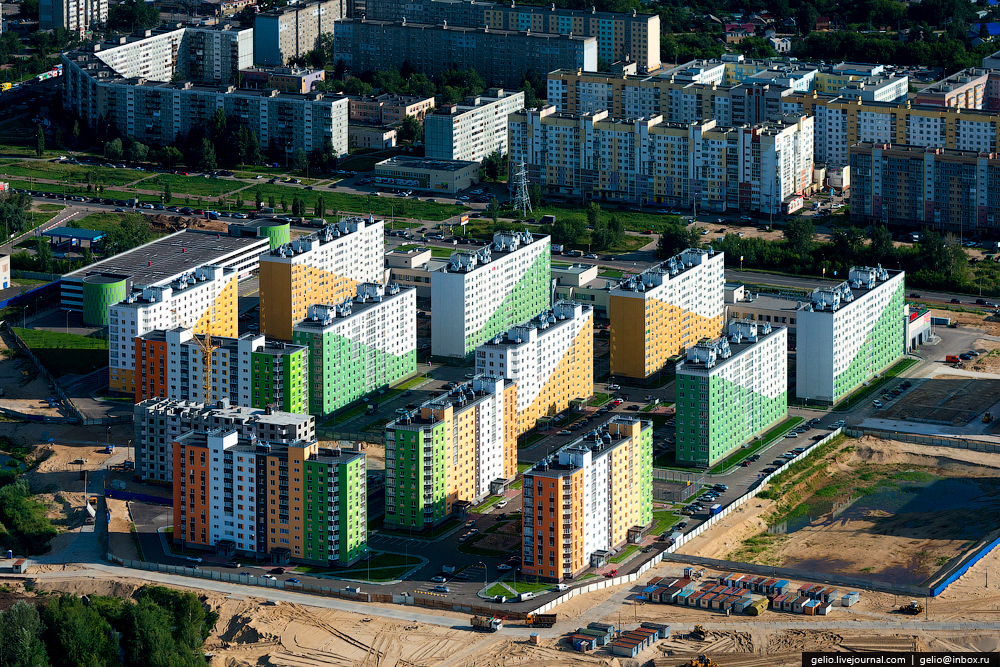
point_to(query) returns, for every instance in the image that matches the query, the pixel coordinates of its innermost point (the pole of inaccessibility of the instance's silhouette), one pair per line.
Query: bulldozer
(912, 609)
(703, 661)
(699, 633)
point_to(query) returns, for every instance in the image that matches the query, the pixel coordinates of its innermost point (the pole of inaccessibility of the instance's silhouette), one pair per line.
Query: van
(562, 587)
(557, 249)
(524, 597)
(952, 359)
(548, 220)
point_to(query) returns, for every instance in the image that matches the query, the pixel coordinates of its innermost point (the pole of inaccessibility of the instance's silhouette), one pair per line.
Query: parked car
(438, 579)
(877, 404)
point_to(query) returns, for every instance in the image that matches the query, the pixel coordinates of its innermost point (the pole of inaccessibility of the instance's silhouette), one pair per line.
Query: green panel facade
(280, 379)
(351, 513)
(883, 345)
(277, 235)
(646, 476)
(421, 491)
(99, 294)
(317, 509)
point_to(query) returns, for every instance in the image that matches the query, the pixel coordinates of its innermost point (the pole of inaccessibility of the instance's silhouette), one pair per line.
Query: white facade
(222, 523)
(473, 130)
(786, 150)
(77, 16)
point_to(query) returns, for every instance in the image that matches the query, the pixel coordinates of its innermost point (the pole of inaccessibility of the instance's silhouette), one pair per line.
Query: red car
(198, 211)
(648, 231)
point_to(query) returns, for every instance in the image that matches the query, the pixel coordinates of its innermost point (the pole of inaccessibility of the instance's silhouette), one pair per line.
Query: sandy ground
(120, 540)
(990, 324)
(24, 389)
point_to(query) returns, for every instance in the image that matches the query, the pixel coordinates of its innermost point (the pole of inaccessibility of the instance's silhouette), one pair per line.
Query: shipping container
(662, 631)
(809, 608)
(705, 601)
(852, 598)
(782, 587)
(824, 608)
(757, 607)
(799, 603)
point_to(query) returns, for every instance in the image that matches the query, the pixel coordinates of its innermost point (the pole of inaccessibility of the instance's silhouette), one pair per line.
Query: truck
(110, 449)
(448, 569)
(542, 620)
(714, 509)
(5, 86)
(951, 359)
(556, 248)
(548, 220)
(486, 623)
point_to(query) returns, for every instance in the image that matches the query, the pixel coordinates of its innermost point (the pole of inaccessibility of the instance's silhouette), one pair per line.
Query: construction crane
(208, 348)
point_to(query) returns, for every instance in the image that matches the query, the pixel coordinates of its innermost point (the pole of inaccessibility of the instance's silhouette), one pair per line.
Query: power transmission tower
(522, 202)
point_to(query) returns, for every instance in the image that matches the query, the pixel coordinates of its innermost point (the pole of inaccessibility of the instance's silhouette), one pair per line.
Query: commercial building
(472, 130)
(204, 299)
(388, 108)
(285, 79)
(277, 231)
(665, 310)
(450, 453)
(948, 190)
(160, 421)
(378, 137)
(500, 57)
(620, 36)
(322, 267)
(772, 309)
(848, 333)
(481, 294)
(249, 371)
(427, 174)
(550, 359)
(285, 33)
(729, 390)
(79, 17)
(284, 501)
(580, 282)
(588, 500)
(359, 346)
(413, 268)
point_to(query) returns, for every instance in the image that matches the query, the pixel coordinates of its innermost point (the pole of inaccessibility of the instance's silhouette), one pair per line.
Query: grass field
(74, 173)
(66, 353)
(340, 201)
(195, 186)
(625, 554)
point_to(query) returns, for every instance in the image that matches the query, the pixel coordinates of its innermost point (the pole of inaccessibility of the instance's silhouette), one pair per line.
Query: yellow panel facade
(572, 378)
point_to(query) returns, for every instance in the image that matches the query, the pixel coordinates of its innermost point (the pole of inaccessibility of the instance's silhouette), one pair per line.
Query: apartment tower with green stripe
(479, 295)
(848, 333)
(366, 343)
(730, 390)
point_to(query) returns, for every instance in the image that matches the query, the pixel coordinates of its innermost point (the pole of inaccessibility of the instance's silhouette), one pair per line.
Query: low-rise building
(285, 79)
(472, 130)
(580, 282)
(426, 174)
(4, 271)
(413, 268)
(371, 136)
(388, 108)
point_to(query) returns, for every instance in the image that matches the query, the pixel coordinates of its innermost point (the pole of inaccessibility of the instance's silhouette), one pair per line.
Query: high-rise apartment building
(848, 333)
(324, 267)
(550, 359)
(473, 130)
(666, 309)
(357, 347)
(286, 501)
(79, 17)
(204, 299)
(160, 421)
(285, 33)
(450, 453)
(587, 500)
(730, 389)
(481, 294)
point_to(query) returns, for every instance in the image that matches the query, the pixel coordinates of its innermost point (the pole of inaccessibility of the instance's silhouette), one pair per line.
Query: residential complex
(249, 371)
(550, 359)
(620, 36)
(79, 17)
(322, 267)
(450, 453)
(285, 33)
(588, 500)
(764, 167)
(472, 130)
(387, 109)
(848, 333)
(481, 294)
(359, 346)
(666, 309)
(730, 389)
(286, 501)
(285, 79)
(160, 421)
(500, 57)
(203, 299)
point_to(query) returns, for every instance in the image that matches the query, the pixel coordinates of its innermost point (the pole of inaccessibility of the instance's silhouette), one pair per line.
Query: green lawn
(528, 584)
(195, 186)
(611, 273)
(598, 400)
(498, 589)
(441, 252)
(41, 217)
(532, 439)
(626, 553)
(521, 467)
(50, 207)
(408, 247)
(663, 519)
(66, 353)
(74, 173)
(755, 446)
(341, 201)
(486, 504)
(876, 385)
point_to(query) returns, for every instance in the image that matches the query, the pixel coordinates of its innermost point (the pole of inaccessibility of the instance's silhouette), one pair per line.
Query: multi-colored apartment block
(204, 300)
(450, 453)
(323, 267)
(359, 346)
(550, 359)
(287, 501)
(729, 390)
(588, 499)
(480, 294)
(664, 310)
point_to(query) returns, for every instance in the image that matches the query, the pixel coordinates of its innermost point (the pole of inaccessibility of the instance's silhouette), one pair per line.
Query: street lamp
(486, 579)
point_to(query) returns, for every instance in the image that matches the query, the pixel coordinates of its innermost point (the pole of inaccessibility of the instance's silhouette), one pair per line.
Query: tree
(676, 237)
(799, 235)
(28, 10)
(168, 157)
(136, 151)
(113, 150)
(205, 157)
(568, 231)
(239, 200)
(494, 209)
(848, 245)
(300, 162)
(535, 194)
(77, 635)
(43, 254)
(320, 209)
(411, 129)
(493, 166)
(133, 15)
(270, 202)
(132, 232)
(167, 192)
(258, 199)
(21, 642)
(881, 249)
(593, 214)
(39, 141)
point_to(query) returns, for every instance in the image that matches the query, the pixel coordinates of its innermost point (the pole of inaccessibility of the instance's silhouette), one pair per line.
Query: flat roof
(405, 162)
(74, 233)
(598, 440)
(737, 349)
(327, 315)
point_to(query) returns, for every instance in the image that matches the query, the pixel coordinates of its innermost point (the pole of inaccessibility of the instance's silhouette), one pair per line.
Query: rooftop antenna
(522, 202)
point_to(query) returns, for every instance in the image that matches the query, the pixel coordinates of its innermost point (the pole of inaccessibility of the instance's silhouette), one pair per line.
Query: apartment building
(647, 161)
(848, 333)
(729, 390)
(286, 79)
(666, 309)
(249, 371)
(285, 33)
(952, 191)
(160, 421)
(388, 108)
(501, 57)
(204, 299)
(588, 500)
(550, 358)
(323, 267)
(450, 453)
(79, 17)
(473, 130)
(966, 89)
(620, 36)
(480, 294)
(284, 501)
(359, 346)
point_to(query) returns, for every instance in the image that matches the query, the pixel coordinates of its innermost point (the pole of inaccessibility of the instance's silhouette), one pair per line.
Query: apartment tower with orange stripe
(588, 499)
(659, 313)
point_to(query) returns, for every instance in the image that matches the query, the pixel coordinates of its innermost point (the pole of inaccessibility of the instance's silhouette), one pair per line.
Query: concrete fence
(935, 441)
(22, 347)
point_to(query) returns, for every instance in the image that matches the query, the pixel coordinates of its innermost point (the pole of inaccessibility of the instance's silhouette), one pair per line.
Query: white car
(269, 576)
(502, 504)
(503, 567)
(192, 559)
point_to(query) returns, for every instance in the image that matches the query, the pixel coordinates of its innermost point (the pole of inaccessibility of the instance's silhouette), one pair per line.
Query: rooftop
(561, 314)
(601, 439)
(223, 410)
(504, 243)
(470, 29)
(461, 397)
(369, 295)
(405, 162)
(710, 356)
(860, 281)
(666, 270)
(74, 233)
(964, 76)
(260, 345)
(330, 233)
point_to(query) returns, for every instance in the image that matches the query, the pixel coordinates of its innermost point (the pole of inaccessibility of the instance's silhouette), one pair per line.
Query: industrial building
(426, 174)
(279, 501)
(473, 130)
(848, 333)
(730, 389)
(365, 344)
(450, 453)
(590, 498)
(480, 294)
(285, 33)
(550, 358)
(160, 421)
(665, 310)
(323, 267)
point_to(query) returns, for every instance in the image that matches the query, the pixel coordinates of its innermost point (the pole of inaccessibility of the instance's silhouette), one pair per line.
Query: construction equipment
(208, 348)
(987, 418)
(542, 620)
(912, 609)
(703, 661)
(487, 623)
(699, 633)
